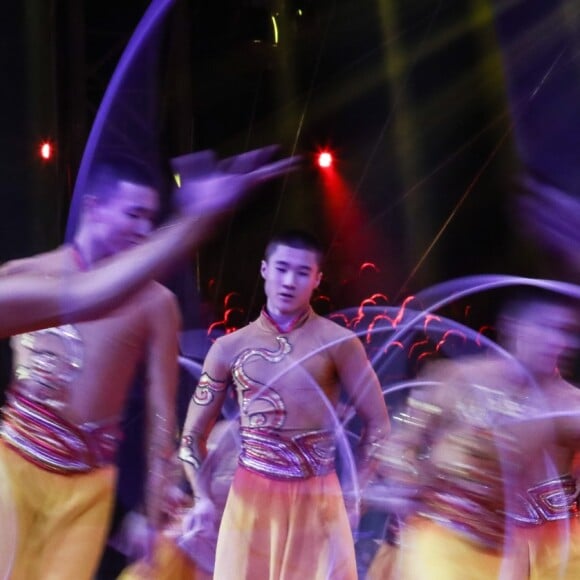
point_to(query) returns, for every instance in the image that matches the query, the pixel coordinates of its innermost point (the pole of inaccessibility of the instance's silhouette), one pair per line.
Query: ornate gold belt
(552, 500)
(44, 438)
(301, 456)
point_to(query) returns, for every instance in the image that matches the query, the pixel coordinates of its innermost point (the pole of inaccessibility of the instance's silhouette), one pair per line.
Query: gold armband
(191, 449)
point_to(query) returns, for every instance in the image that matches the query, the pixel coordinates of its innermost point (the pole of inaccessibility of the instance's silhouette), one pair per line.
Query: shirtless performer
(60, 428)
(285, 515)
(479, 454)
(548, 533)
(29, 300)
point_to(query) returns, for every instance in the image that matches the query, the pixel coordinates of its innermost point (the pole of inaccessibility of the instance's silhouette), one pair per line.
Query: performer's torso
(84, 371)
(475, 453)
(286, 380)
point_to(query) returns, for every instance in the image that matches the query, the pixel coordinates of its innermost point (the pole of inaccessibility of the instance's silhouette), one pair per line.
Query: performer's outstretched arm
(31, 301)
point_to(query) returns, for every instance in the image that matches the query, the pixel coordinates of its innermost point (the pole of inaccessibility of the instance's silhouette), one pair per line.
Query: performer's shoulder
(333, 336)
(160, 292)
(239, 334)
(331, 328)
(44, 263)
(564, 394)
(233, 341)
(157, 299)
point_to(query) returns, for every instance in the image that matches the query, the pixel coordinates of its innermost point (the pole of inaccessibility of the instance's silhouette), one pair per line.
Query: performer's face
(290, 276)
(546, 337)
(125, 217)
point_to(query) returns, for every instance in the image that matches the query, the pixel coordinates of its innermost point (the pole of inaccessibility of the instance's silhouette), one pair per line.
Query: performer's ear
(263, 268)
(319, 279)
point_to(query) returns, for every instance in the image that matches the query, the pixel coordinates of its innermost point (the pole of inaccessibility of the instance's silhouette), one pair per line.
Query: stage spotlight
(46, 150)
(324, 159)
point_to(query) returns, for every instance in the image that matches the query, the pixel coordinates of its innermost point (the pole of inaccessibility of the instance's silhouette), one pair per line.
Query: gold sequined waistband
(44, 438)
(555, 499)
(301, 456)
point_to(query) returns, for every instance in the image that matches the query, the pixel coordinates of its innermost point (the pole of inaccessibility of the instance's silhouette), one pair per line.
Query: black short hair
(106, 173)
(296, 238)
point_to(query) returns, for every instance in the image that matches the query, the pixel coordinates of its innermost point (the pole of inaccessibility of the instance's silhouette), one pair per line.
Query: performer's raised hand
(210, 187)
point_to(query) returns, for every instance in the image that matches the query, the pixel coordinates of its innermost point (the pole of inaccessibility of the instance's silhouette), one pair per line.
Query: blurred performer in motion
(60, 428)
(544, 336)
(30, 300)
(186, 548)
(285, 516)
(479, 451)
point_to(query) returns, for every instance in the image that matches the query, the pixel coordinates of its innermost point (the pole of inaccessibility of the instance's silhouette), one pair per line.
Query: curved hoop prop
(152, 18)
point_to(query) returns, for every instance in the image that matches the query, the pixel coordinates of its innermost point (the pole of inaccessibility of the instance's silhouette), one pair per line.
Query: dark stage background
(433, 108)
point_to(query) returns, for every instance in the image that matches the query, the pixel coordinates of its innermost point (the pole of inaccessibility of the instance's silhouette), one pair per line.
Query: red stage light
(46, 150)
(324, 159)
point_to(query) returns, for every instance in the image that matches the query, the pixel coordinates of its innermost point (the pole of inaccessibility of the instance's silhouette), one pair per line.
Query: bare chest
(59, 365)
(284, 384)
